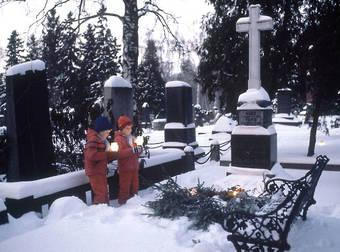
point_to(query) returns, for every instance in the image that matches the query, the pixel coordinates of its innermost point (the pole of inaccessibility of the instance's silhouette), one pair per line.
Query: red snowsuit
(96, 159)
(128, 168)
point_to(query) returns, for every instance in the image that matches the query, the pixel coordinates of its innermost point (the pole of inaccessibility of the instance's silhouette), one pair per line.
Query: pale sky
(20, 16)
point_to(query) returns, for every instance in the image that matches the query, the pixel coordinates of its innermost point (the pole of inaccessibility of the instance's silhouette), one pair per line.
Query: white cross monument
(253, 25)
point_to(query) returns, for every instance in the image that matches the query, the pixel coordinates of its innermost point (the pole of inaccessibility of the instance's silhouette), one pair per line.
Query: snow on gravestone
(118, 99)
(253, 141)
(28, 122)
(179, 131)
(223, 125)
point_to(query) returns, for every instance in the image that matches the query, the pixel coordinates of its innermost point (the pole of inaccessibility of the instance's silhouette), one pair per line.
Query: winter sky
(20, 15)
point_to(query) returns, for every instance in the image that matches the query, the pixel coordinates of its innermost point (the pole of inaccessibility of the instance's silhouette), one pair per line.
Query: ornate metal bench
(267, 229)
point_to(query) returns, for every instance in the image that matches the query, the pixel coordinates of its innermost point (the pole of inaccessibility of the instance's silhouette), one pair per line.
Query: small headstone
(284, 97)
(179, 130)
(28, 122)
(118, 99)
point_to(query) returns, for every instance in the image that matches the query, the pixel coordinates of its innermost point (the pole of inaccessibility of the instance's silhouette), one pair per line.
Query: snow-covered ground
(71, 225)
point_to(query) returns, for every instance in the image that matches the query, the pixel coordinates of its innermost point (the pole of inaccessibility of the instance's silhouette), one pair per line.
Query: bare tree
(130, 21)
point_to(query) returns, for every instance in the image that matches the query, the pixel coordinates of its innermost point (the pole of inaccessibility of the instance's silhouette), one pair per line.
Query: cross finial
(253, 25)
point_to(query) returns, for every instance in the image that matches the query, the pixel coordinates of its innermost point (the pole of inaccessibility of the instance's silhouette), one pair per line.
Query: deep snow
(71, 225)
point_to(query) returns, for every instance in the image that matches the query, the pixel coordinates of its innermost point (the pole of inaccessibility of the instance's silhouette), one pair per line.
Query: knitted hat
(124, 121)
(101, 124)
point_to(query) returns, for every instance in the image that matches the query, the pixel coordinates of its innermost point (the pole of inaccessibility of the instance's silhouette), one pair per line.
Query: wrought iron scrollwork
(267, 229)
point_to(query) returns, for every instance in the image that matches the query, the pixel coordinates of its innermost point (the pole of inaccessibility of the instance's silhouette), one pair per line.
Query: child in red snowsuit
(97, 154)
(127, 160)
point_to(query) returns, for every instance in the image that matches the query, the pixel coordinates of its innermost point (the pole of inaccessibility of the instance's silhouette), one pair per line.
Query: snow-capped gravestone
(179, 131)
(118, 99)
(254, 140)
(28, 122)
(284, 97)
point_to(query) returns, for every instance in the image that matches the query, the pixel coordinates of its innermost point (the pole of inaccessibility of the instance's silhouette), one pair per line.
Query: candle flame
(322, 142)
(139, 140)
(114, 147)
(193, 191)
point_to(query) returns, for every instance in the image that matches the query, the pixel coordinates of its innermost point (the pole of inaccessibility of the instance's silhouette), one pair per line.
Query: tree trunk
(130, 40)
(312, 137)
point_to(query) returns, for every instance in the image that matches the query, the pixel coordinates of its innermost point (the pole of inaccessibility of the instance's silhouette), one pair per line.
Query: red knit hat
(124, 121)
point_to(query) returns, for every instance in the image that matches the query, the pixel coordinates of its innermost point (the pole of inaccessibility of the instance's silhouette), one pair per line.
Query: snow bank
(252, 95)
(172, 84)
(117, 81)
(63, 207)
(253, 130)
(34, 65)
(162, 156)
(50, 185)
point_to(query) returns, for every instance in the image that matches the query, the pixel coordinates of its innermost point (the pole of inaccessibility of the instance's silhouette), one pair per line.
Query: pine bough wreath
(202, 205)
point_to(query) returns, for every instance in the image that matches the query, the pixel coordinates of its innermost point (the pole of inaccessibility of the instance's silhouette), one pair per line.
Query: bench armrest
(253, 226)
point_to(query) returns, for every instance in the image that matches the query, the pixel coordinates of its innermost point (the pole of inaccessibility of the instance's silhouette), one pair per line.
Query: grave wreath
(202, 205)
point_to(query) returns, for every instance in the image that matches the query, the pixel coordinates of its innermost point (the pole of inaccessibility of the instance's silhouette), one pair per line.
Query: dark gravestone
(117, 99)
(284, 97)
(28, 122)
(179, 131)
(254, 140)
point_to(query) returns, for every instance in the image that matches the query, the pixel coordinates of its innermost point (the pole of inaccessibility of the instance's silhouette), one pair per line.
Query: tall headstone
(284, 97)
(118, 99)
(254, 140)
(28, 122)
(179, 131)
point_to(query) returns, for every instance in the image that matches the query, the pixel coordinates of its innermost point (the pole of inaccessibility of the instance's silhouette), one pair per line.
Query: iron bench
(267, 229)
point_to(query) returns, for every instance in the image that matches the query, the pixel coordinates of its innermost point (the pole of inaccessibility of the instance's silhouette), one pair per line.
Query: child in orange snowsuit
(127, 160)
(97, 154)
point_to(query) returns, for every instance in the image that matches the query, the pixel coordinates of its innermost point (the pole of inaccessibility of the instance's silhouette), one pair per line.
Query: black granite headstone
(28, 123)
(254, 141)
(179, 130)
(118, 99)
(284, 101)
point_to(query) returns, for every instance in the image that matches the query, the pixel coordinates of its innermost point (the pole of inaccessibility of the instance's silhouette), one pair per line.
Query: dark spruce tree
(150, 86)
(319, 58)
(50, 44)
(64, 113)
(14, 50)
(33, 49)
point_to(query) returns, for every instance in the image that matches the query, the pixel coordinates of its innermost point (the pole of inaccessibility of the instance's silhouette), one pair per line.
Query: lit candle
(139, 140)
(114, 146)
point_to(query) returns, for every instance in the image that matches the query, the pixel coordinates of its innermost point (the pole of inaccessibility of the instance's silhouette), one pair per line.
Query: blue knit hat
(101, 124)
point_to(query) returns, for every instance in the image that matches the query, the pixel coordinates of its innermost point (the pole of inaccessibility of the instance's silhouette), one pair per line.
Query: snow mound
(252, 95)
(172, 84)
(34, 65)
(223, 124)
(279, 172)
(116, 81)
(63, 207)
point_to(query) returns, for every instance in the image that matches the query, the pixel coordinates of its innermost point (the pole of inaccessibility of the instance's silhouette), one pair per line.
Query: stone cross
(253, 25)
